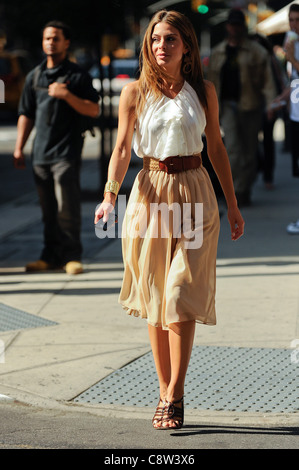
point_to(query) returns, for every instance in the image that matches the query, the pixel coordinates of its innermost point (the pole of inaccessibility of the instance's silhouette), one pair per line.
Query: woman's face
(167, 46)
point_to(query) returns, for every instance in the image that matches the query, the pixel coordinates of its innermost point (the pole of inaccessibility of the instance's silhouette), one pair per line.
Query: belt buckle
(166, 166)
(163, 167)
(172, 165)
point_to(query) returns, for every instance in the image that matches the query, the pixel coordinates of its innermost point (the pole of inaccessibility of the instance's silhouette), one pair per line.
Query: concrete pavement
(91, 337)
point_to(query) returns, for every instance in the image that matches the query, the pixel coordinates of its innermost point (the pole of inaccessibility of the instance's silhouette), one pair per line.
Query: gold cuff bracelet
(111, 187)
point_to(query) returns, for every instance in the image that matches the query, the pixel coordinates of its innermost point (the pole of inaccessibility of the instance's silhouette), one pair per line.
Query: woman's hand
(103, 210)
(236, 222)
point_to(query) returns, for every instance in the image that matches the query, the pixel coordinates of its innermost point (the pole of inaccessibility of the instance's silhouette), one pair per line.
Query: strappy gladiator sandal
(158, 416)
(173, 413)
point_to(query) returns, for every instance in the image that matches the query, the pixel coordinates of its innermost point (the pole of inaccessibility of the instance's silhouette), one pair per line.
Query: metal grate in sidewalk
(15, 319)
(219, 378)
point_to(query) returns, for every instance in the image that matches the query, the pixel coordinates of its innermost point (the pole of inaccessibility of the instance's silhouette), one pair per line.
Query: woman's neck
(173, 87)
(174, 81)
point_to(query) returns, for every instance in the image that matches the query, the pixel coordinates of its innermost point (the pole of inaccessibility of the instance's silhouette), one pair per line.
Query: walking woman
(169, 275)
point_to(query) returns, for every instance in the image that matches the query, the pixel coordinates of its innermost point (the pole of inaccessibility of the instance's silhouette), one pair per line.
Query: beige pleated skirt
(169, 243)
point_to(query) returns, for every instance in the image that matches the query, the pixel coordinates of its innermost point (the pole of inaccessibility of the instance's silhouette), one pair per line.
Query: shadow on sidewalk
(190, 430)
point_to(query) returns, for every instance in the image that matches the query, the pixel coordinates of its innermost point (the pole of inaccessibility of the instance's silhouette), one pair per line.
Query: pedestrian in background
(291, 93)
(292, 56)
(241, 72)
(266, 158)
(167, 280)
(56, 99)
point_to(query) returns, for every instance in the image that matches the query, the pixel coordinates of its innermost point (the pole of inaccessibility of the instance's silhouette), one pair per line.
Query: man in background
(57, 97)
(292, 56)
(291, 93)
(241, 72)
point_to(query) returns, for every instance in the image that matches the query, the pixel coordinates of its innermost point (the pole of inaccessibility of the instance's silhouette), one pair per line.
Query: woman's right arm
(121, 155)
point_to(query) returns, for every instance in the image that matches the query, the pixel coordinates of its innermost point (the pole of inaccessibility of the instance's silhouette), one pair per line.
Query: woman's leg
(181, 337)
(172, 351)
(160, 348)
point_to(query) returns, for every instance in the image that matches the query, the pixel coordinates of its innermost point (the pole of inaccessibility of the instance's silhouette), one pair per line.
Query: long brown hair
(152, 76)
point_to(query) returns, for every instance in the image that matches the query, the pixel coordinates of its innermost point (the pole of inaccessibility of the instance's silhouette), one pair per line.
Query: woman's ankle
(174, 395)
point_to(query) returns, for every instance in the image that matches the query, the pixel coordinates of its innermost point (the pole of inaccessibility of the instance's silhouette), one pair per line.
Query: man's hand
(58, 90)
(19, 159)
(82, 106)
(290, 51)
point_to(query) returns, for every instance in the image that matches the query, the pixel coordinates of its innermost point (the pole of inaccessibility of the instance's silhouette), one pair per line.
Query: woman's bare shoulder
(211, 94)
(130, 91)
(210, 87)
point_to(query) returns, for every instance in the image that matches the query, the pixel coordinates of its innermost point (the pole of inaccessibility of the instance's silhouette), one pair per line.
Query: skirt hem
(138, 314)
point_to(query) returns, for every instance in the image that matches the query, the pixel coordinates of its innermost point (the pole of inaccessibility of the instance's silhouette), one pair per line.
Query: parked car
(115, 74)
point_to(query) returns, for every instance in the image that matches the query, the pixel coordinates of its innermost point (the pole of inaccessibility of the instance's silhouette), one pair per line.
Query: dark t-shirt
(58, 125)
(230, 75)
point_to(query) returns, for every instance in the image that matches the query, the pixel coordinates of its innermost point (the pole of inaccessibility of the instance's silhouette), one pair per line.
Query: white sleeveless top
(170, 126)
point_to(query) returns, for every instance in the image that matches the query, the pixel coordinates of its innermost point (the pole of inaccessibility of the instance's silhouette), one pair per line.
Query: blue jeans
(58, 187)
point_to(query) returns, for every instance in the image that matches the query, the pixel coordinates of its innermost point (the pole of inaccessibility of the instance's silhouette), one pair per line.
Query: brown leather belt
(175, 164)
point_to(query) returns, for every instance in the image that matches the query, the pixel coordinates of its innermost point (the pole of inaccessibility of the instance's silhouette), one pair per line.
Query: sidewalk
(77, 336)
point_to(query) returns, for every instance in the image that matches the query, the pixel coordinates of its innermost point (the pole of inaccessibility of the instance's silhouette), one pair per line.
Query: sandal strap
(158, 416)
(174, 413)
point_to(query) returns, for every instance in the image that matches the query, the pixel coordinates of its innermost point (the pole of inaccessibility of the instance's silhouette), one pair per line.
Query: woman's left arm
(218, 156)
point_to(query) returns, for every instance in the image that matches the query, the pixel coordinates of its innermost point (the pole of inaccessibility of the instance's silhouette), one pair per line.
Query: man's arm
(269, 88)
(82, 106)
(290, 55)
(24, 128)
